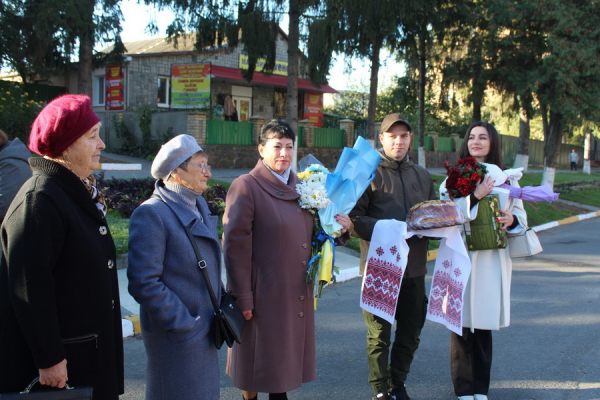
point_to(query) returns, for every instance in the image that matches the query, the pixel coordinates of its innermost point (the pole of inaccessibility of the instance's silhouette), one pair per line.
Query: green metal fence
(300, 136)
(428, 143)
(445, 144)
(510, 145)
(328, 137)
(228, 132)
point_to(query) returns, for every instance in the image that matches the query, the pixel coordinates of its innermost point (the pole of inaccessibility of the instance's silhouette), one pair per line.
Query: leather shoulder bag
(229, 322)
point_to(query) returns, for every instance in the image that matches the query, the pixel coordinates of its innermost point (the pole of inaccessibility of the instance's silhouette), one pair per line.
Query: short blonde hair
(3, 138)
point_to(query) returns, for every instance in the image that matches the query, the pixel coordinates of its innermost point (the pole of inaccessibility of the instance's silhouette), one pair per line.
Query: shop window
(280, 105)
(99, 90)
(164, 91)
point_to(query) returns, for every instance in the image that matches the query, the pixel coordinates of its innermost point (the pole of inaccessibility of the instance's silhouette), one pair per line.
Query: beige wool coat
(267, 249)
(487, 295)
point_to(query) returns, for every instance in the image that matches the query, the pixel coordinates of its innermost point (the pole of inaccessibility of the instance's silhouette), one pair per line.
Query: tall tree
(425, 24)
(363, 30)
(27, 40)
(38, 37)
(520, 45)
(568, 86)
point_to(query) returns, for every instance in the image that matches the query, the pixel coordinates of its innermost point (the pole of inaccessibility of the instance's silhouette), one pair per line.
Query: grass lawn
(591, 197)
(535, 179)
(119, 229)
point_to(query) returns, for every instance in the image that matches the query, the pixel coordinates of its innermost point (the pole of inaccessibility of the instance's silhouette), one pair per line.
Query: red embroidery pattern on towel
(382, 284)
(446, 296)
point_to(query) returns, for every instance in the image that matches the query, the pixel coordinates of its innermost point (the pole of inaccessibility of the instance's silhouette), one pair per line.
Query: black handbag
(229, 321)
(68, 393)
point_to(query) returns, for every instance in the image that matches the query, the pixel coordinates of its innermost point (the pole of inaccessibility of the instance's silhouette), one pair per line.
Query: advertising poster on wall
(313, 108)
(115, 88)
(190, 86)
(281, 68)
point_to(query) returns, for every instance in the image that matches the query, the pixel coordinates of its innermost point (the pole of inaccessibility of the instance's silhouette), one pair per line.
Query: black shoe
(384, 396)
(399, 393)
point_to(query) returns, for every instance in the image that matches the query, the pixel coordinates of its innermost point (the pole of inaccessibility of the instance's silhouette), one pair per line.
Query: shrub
(17, 112)
(125, 195)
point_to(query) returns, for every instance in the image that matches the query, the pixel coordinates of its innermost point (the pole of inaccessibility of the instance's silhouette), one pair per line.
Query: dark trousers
(573, 166)
(471, 361)
(410, 317)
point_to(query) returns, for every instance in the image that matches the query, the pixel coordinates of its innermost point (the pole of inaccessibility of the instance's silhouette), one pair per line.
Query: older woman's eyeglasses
(203, 166)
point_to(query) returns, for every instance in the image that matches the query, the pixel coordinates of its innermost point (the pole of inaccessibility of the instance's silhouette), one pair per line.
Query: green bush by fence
(35, 91)
(228, 132)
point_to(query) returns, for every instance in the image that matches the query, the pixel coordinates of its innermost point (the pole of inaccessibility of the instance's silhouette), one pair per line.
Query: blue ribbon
(315, 258)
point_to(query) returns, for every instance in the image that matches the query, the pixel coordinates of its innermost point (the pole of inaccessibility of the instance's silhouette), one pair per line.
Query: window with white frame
(164, 91)
(99, 90)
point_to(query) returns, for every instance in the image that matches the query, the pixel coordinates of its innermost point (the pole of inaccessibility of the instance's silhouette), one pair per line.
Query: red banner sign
(313, 108)
(115, 88)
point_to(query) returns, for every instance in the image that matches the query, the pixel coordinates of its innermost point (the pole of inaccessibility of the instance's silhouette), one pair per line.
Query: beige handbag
(524, 244)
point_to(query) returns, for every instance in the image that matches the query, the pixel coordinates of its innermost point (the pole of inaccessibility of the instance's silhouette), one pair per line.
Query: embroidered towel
(386, 263)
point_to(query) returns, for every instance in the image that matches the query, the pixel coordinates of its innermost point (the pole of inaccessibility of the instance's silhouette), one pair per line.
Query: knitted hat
(61, 123)
(391, 120)
(172, 154)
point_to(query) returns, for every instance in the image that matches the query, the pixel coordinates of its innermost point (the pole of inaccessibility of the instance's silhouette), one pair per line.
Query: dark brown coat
(267, 248)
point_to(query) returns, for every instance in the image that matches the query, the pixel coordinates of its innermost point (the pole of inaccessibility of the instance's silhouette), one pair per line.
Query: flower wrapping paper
(354, 172)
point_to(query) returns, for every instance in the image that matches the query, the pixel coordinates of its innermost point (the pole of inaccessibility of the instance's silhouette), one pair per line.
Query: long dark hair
(275, 129)
(495, 154)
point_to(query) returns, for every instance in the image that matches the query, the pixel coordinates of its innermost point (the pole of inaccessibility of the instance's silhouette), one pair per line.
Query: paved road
(551, 351)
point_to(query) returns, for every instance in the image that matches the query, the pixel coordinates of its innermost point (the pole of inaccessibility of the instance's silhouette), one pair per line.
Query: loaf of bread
(434, 214)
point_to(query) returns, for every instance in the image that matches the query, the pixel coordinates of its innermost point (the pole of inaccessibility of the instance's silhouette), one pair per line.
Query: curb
(119, 167)
(134, 322)
(566, 221)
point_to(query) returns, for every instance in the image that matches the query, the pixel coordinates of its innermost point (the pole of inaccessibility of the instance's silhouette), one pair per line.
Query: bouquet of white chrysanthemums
(313, 195)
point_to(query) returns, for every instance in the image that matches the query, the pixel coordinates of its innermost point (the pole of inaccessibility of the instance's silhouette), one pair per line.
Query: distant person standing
(574, 159)
(14, 170)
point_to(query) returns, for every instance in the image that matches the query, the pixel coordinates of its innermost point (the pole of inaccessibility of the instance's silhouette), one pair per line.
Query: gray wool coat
(175, 308)
(267, 248)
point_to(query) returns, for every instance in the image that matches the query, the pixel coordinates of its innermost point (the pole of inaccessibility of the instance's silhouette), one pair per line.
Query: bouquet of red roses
(463, 177)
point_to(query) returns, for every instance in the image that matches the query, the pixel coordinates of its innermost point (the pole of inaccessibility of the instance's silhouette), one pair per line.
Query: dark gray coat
(165, 280)
(14, 171)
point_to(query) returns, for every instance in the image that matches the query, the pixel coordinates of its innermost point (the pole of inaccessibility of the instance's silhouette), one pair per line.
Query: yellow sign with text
(279, 69)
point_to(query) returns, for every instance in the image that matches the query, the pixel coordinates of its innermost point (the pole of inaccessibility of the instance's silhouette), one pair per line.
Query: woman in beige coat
(267, 249)
(487, 295)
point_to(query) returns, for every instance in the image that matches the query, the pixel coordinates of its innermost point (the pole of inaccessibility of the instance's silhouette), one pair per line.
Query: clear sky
(137, 17)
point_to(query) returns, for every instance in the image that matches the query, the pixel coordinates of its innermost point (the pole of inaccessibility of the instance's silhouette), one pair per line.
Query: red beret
(61, 123)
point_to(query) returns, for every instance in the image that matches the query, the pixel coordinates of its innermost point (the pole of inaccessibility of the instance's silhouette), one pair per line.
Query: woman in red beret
(59, 294)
